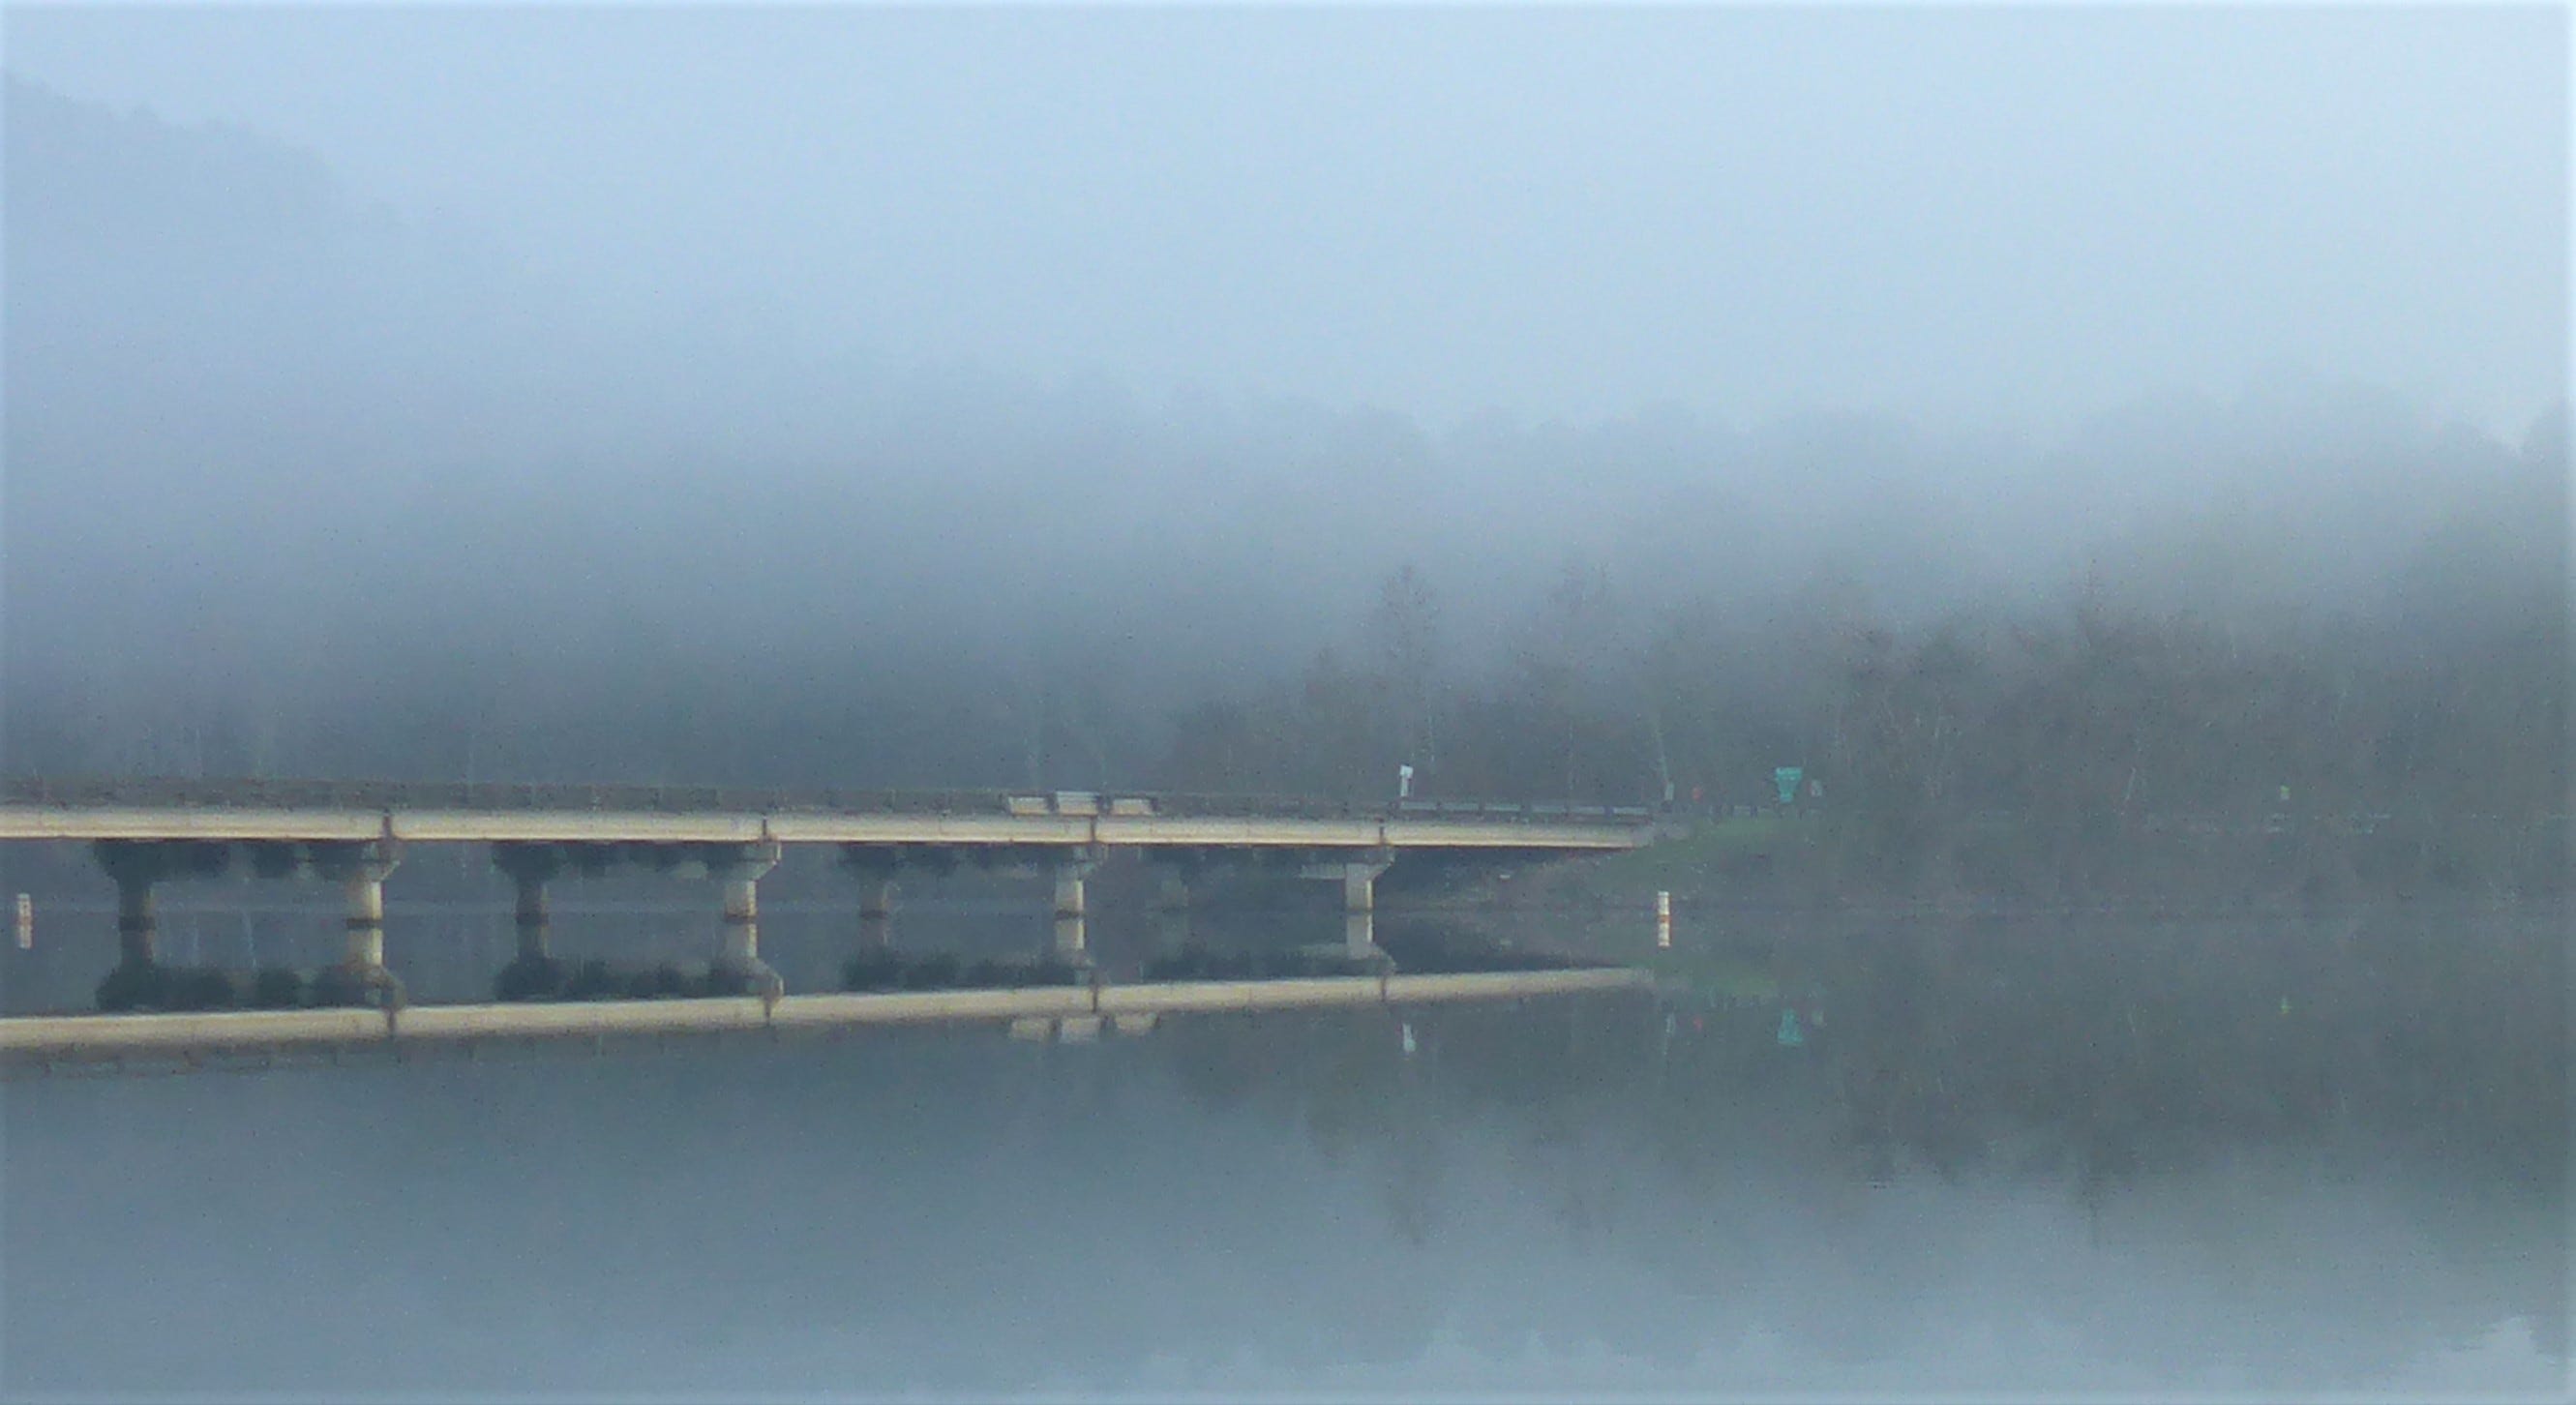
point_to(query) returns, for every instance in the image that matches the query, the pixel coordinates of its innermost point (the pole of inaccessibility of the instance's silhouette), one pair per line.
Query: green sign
(1786, 778)
(1791, 1036)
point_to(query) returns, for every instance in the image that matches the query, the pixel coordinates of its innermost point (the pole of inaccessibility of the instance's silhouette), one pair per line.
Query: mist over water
(2333, 1159)
(2062, 515)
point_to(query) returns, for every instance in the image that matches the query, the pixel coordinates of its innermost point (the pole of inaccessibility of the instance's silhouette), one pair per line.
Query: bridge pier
(362, 870)
(1358, 877)
(739, 954)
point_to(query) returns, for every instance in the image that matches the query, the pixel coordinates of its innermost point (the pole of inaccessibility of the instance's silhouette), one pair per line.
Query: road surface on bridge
(358, 812)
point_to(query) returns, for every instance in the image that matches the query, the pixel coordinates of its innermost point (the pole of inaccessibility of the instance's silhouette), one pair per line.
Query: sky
(1972, 216)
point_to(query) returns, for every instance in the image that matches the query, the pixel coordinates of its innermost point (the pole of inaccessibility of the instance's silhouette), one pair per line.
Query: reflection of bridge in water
(145, 832)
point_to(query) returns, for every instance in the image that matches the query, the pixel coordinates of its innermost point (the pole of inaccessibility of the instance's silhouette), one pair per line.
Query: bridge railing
(103, 792)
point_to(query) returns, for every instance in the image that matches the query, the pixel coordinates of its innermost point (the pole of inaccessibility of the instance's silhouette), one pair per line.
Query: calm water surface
(1897, 1156)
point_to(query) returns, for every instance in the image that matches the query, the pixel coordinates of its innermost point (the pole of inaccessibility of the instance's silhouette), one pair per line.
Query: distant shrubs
(1019, 975)
(534, 977)
(872, 970)
(594, 980)
(202, 988)
(134, 985)
(277, 988)
(1440, 953)
(1199, 963)
(887, 970)
(531, 977)
(935, 972)
(151, 986)
(148, 985)
(335, 986)
(662, 982)
(140, 986)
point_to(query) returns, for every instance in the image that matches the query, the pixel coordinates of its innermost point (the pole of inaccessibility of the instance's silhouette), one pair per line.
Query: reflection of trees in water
(2111, 1053)
(1343, 1076)
(2104, 1061)
(2307, 1197)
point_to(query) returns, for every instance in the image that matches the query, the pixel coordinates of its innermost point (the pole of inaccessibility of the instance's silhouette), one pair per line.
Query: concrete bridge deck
(362, 812)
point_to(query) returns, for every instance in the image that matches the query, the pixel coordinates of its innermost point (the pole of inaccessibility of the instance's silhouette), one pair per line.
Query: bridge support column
(362, 870)
(1358, 875)
(740, 952)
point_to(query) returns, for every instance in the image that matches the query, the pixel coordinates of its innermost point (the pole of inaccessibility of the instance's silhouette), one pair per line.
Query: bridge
(145, 832)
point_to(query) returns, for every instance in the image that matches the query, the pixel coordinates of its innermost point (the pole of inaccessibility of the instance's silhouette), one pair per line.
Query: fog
(2007, 215)
(421, 365)
(2118, 454)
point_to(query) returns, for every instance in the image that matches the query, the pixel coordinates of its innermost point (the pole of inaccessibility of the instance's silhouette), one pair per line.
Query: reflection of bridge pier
(876, 916)
(1171, 912)
(530, 867)
(1072, 911)
(359, 866)
(875, 867)
(1358, 875)
(136, 866)
(533, 923)
(138, 921)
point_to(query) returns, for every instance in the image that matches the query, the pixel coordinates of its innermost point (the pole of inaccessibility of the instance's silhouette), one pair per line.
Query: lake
(1893, 1154)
